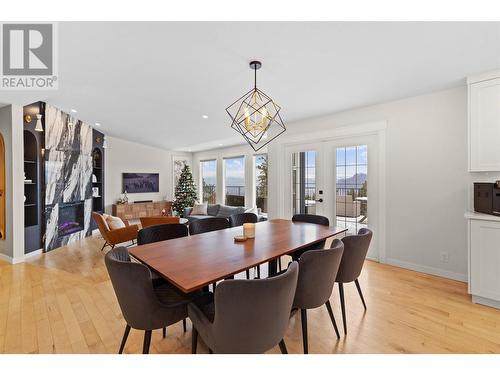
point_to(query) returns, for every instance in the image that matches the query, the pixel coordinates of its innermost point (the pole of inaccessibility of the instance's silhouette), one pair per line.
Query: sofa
(214, 210)
(218, 210)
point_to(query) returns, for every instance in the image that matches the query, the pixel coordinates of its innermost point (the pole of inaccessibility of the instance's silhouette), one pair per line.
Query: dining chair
(208, 225)
(247, 316)
(238, 220)
(144, 306)
(355, 250)
(158, 233)
(312, 219)
(317, 273)
(161, 232)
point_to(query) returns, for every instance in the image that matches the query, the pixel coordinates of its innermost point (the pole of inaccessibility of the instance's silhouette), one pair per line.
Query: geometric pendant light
(256, 116)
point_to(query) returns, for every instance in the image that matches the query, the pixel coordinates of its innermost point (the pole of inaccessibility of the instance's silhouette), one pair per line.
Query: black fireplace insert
(71, 218)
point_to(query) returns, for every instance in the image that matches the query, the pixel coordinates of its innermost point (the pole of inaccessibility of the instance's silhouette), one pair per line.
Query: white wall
(125, 156)
(227, 152)
(426, 177)
(11, 127)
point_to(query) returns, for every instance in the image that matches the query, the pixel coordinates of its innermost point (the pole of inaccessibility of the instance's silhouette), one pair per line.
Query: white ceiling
(152, 82)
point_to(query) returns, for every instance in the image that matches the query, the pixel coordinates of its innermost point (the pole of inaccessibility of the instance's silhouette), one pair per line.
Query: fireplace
(71, 218)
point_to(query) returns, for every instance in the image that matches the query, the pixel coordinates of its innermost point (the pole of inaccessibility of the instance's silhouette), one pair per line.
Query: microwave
(487, 198)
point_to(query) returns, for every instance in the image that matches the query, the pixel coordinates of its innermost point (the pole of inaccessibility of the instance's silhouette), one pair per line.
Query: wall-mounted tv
(141, 182)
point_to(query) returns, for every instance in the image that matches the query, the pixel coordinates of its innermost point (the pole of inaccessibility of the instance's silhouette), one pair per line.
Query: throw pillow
(114, 222)
(199, 209)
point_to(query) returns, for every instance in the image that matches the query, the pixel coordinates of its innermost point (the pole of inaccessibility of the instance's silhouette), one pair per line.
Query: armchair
(115, 236)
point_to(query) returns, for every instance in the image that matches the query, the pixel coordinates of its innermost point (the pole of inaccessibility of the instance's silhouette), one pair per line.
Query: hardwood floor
(63, 302)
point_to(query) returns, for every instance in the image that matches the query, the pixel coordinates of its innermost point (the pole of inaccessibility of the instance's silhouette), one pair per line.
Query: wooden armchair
(116, 236)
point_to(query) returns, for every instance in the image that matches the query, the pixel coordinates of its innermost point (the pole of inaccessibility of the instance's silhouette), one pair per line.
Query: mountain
(354, 181)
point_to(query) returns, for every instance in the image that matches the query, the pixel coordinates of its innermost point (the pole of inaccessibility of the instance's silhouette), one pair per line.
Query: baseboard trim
(486, 301)
(11, 260)
(426, 269)
(33, 253)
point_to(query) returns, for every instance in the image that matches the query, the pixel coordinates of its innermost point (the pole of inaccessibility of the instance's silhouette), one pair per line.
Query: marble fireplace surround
(68, 173)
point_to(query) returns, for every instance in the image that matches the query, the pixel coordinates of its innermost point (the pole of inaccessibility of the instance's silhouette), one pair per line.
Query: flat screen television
(141, 182)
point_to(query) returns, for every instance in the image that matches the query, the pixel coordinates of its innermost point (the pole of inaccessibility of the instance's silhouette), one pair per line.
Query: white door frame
(323, 139)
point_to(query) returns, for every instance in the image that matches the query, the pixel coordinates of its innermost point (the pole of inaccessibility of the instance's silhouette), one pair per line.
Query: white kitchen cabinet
(484, 122)
(484, 259)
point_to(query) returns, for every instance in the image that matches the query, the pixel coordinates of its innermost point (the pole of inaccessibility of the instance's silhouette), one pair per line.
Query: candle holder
(249, 230)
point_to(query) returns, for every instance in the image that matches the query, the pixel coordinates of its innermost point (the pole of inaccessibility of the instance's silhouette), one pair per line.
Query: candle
(249, 230)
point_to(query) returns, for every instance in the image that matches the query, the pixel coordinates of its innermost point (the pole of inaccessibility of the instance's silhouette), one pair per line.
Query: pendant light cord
(255, 77)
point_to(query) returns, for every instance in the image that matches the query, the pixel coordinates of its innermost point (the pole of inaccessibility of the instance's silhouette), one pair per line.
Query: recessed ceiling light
(73, 110)
(220, 144)
(204, 116)
(97, 124)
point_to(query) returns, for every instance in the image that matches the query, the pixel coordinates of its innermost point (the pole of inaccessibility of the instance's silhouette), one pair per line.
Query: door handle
(320, 200)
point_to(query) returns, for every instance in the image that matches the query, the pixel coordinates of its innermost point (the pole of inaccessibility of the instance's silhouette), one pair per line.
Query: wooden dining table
(193, 262)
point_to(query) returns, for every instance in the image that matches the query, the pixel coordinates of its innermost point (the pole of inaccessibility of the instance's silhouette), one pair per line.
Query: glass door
(351, 187)
(305, 181)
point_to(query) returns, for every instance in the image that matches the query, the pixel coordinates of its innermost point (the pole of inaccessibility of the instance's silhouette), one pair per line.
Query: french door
(338, 179)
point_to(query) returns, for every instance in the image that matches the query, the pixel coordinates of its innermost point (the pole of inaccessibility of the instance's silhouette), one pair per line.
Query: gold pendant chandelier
(256, 116)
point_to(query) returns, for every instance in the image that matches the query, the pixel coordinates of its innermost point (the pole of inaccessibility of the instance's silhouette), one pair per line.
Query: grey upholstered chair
(312, 219)
(143, 305)
(317, 272)
(355, 250)
(208, 225)
(161, 232)
(249, 316)
(238, 220)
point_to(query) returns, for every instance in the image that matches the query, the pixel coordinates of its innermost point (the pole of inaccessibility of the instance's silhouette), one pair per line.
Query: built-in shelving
(31, 174)
(97, 171)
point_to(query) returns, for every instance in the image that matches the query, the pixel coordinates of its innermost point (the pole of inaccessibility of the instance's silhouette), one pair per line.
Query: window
(208, 170)
(352, 187)
(260, 162)
(234, 181)
(304, 182)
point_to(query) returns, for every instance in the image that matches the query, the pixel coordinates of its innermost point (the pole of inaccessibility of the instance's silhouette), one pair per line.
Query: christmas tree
(185, 191)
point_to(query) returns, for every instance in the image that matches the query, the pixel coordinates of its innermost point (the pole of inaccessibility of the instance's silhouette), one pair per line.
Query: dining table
(194, 262)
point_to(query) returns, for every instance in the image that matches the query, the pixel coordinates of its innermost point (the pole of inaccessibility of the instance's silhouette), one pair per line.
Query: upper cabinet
(484, 122)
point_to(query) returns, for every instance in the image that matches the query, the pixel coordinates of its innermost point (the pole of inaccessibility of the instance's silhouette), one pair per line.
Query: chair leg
(332, 318)
(248, 274)
(147, 342)
(164, 332)
(213, 286)
(194, 341)
(210, 351)
(124, 339)
(112, 247)
(342, 305)
(184, 325)
(103, 246)
(279, 263)
(283, 347)
(258, 271)
(303, 315)
(360, 293)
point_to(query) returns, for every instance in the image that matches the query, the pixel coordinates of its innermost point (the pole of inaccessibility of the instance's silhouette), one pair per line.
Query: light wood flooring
(63, 302)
